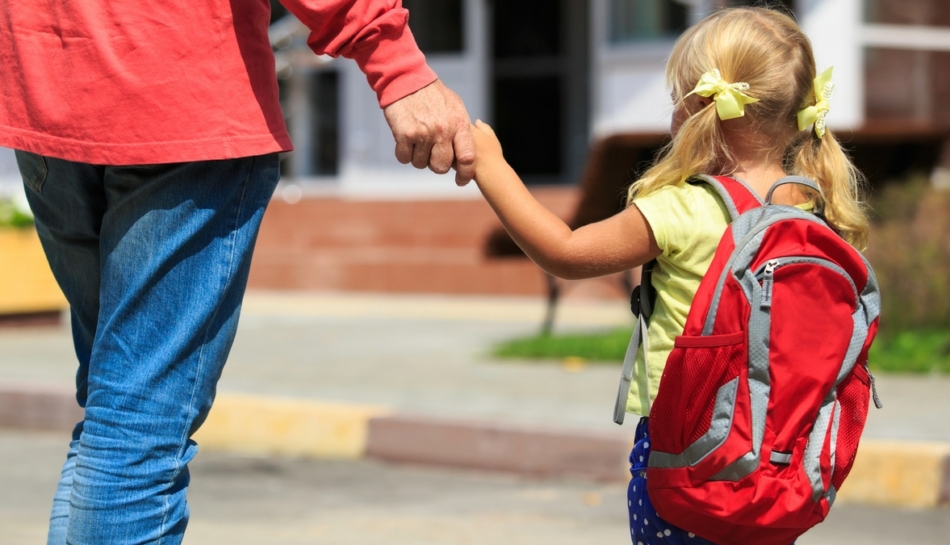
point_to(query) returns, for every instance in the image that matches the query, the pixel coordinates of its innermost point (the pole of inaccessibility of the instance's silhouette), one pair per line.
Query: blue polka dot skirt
(646, 526)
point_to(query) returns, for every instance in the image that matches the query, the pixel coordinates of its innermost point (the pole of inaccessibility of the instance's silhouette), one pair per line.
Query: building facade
(553, 76)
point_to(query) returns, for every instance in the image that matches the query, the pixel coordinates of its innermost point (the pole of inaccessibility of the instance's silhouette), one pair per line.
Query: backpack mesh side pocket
(696, 370)
(854, 397)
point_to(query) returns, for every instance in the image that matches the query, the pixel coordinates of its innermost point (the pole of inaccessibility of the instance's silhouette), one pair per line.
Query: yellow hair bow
(824, 88)
(730, 97)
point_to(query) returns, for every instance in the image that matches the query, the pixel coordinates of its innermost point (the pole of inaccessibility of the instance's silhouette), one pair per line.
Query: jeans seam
(228, 278)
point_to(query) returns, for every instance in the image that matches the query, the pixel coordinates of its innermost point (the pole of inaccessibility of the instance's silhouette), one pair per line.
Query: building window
(528, 119)
(325, 122)
(436, 25)
(277, 11)
(641, 20)
(784, 5)
(523, 30)
(907, 12)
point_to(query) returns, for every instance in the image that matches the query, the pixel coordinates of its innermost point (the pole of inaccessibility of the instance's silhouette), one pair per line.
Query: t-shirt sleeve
(684, 218)
(670, 212)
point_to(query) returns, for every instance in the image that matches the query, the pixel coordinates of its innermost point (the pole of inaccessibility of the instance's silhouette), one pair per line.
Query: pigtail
(697, 147)
(823, 160)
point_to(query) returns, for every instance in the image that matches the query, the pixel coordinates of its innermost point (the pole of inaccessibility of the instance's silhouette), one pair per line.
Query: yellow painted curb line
(896, 473)
(886, 473)
(26, 282)
(287, 427)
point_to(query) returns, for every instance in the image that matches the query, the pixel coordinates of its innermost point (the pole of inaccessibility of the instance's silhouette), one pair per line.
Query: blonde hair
(767, 50)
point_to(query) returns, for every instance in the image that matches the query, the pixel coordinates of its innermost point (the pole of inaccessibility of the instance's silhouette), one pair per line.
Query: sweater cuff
(394, 66)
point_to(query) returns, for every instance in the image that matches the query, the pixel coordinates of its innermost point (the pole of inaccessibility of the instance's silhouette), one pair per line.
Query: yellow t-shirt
(687, 221)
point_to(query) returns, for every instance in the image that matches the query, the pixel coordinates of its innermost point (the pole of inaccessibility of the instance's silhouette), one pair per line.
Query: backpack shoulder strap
(737, 196)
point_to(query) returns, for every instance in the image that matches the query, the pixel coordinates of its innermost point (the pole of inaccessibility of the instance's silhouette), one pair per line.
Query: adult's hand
(432, 129)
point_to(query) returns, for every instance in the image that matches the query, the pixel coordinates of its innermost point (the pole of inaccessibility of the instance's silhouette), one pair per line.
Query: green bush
(903, 352)
(12, 215)
(604, 346)
(912, 352)
(910, 252)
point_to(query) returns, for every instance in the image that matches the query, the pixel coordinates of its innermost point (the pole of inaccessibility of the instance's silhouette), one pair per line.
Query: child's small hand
(487, 147)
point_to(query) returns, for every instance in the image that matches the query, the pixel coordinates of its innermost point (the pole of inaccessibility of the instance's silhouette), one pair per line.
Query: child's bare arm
(612, 245)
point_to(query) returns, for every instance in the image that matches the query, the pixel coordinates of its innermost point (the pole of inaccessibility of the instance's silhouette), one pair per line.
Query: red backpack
(765, 395)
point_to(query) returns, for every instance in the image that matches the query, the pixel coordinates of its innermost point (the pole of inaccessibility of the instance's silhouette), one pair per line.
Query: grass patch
(911, 352)
(606, 347)
(904, 352)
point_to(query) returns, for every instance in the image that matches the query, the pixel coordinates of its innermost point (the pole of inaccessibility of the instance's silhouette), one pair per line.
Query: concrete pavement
(247, 500)
(409, 378)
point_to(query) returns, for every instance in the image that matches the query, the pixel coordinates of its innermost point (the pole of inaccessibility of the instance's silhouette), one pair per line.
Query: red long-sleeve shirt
(130, 82)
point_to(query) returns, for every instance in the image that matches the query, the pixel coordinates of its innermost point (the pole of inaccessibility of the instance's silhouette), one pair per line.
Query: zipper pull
(877, 399)
(767, 280)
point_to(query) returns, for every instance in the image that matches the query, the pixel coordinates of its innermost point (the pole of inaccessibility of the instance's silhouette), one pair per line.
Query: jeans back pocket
(32, 168)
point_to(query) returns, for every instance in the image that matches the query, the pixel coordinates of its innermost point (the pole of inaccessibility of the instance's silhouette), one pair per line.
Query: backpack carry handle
(799, 180)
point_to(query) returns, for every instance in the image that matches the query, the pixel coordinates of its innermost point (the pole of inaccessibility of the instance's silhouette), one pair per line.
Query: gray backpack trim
(723, 413)
(816, 441)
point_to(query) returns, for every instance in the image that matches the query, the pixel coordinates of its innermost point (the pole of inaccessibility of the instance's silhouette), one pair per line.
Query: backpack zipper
(755, 230)
(768, 278)
(766, 273)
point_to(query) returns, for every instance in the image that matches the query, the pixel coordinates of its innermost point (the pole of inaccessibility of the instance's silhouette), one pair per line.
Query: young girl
(748, 104)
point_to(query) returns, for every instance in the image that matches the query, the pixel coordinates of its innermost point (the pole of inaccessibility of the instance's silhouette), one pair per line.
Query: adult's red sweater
(129, 82)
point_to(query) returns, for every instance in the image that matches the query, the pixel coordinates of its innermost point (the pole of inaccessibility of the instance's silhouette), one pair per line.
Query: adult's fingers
(421, 150)
(403, 150)
(441, 156)
(464, 146)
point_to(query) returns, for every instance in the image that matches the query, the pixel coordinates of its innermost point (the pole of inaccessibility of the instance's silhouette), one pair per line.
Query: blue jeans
(154, 263)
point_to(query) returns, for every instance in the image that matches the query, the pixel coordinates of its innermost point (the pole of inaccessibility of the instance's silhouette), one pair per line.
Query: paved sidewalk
(410, 378)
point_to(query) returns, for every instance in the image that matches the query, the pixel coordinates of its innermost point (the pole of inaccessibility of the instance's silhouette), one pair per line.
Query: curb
(885, 473)
(496, 447)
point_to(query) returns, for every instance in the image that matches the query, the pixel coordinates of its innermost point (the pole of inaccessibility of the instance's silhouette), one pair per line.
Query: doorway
(540, 87)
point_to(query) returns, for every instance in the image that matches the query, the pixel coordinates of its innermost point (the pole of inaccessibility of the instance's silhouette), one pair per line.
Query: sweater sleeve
(374, 33)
